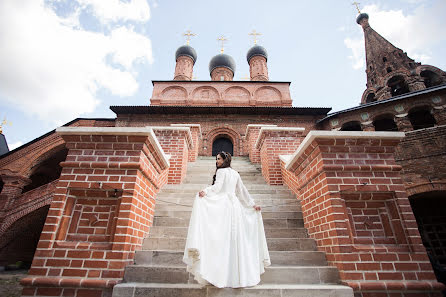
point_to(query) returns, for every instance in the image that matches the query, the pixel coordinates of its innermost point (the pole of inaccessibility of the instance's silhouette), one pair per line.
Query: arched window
(431, 79)
(351, 126)
(222, 143)
(385, 123)
(47, 171)
(397, 86)
(1, 185)
(370, 98)
(421, 118)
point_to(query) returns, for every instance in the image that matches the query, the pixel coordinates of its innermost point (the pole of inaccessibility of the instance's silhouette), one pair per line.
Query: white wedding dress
(226, 243)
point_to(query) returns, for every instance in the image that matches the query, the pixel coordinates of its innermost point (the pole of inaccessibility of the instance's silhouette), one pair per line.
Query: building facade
(77, 202)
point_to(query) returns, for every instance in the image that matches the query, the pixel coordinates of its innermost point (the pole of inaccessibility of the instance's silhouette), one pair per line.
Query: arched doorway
(222, 143)
(429, 209)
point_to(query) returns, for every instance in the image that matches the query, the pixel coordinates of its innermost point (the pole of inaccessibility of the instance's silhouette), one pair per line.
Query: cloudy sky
(62, 59)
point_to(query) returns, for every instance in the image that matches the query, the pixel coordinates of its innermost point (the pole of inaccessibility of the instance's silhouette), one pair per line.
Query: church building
(353, 202)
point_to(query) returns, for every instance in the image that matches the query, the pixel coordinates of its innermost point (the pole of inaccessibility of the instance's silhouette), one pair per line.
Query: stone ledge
(179, 128)
(256, 126)
(68, 282)
(275, 129)
(124, 131)
(339, 135)
(189, 125)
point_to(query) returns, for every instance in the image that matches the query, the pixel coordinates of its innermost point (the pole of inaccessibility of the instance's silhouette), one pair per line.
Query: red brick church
(354, 202)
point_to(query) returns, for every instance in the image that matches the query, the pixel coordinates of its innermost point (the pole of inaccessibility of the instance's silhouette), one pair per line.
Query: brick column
(101, 210)
(275, 141)
(175, 142)
(439, 114)
(195, 130)
(251, 135)
(403, 123)
(355, 206)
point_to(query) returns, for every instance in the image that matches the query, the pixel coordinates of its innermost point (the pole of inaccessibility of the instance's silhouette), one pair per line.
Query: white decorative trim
(188, 125)
(285, 158)
(266, 129)
(127, 131)
(339, 135)
(256, 126)
(168, 128)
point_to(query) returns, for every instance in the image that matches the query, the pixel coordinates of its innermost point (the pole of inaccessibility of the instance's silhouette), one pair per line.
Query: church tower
(257, 57)
(390, 72)
(185, 57)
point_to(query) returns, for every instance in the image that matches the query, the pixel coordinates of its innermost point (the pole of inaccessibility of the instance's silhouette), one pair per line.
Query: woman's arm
(216, 187)
(243, 194)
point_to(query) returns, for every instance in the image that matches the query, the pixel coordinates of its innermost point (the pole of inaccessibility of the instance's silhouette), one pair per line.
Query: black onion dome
(186, 50)
(222, 60)
(361, 16)
(256, 50)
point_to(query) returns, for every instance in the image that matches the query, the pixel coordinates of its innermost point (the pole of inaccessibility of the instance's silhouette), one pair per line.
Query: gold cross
(255, 34)
(357, 6)
(3, 124)
(188, 34)
(222, 39)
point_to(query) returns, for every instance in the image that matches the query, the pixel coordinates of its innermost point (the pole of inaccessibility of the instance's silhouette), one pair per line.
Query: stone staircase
(297, 268)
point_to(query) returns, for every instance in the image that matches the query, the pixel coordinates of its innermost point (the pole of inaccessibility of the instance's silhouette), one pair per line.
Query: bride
(226, 244)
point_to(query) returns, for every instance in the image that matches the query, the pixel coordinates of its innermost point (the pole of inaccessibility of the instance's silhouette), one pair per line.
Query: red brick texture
(176, 142)
(251, 136)
(355, 206)
(195, 130)
(102, 208)
(272, 142)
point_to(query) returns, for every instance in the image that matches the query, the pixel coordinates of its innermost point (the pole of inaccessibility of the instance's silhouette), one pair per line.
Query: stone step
(265, 214)
(208, 180)
(267, 204)
(181, 232)
(267, 223)
(196, 290)
(274, 244)
(192, 191)
(272, 275)
(283, 258)
(254, 196)
(196, 187)
(174, 207)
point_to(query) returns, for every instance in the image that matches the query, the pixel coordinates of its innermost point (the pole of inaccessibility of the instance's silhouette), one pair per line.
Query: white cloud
(52, 70)
(115, 10)
(357, 47)
(414, 33)
(15, 145)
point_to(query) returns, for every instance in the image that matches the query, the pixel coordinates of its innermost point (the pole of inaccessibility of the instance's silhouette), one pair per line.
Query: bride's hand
(256, 207)
(201, 193)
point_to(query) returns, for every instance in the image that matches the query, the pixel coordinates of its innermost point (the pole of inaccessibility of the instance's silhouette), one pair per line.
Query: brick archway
(225, 132)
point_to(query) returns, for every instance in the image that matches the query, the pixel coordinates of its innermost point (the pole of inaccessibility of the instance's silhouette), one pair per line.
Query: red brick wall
(233, 125)
(422, 155)
(355, 206)
(175, 143)
(101, 211)
(273, 142)
(251, 136)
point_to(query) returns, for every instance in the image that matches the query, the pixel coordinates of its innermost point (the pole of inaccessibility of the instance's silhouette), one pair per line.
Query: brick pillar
(275, 141)
(403, 123)
(439, 114)
(367, 126)
(195, 130)
(355, 206)
(101, 210)
(176, 142)
(251, 135)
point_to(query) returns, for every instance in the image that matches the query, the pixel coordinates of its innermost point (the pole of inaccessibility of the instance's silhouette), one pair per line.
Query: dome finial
(222, 39)
(357, 6)
(188, 35)
(255, 34)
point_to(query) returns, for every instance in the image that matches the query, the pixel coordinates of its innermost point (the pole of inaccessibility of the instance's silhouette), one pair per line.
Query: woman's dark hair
(226, 163)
